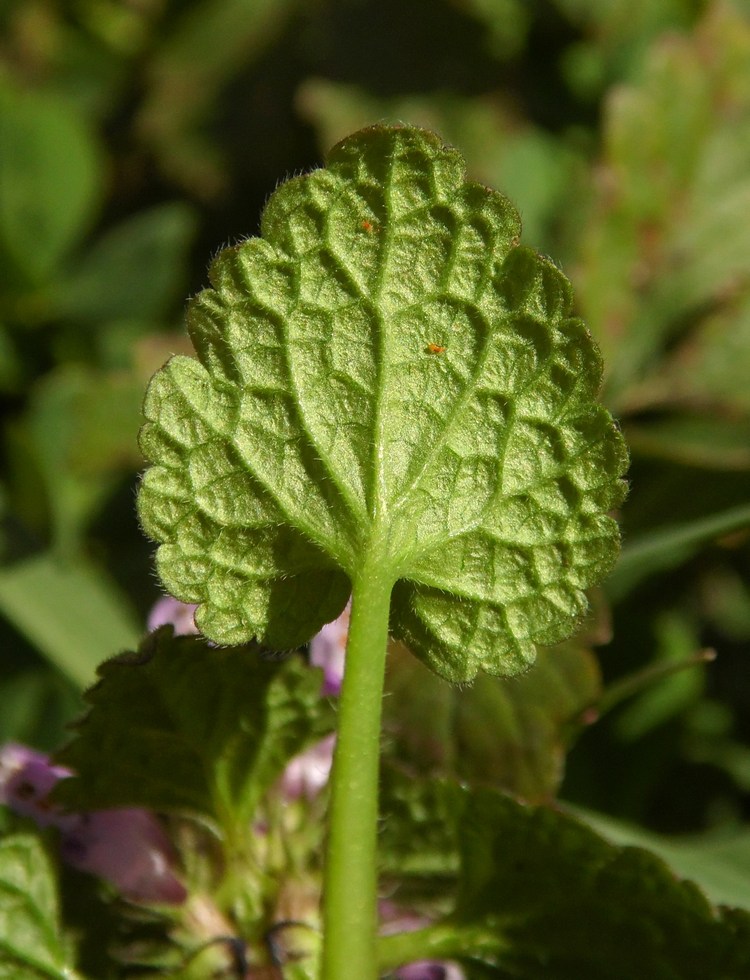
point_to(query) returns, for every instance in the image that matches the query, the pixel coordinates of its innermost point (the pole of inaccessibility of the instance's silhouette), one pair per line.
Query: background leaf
(511, 733)
(31, 946)
(663, 279)
(65, 462)
(718, 863)
(209, 43)
(180, 726)
(134, 272)
(49, 179)
(668, 546)
(70, 610)
(567, 904)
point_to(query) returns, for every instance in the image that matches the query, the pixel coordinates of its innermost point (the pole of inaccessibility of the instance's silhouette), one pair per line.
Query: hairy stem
(350, 884)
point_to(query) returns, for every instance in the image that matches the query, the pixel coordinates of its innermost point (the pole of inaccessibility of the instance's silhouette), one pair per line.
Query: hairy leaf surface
(385, 373)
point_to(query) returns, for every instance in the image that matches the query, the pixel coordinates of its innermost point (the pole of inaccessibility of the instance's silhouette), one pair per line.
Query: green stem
(440, 941)
(638, 681)
(350, 883)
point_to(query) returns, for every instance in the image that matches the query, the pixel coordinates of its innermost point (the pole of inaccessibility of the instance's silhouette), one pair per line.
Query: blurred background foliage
(138, 136)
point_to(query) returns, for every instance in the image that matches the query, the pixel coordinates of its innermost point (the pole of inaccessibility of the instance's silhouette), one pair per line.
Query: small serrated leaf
(179, 726)
(385, 373)
(31, 947)
(540, 895)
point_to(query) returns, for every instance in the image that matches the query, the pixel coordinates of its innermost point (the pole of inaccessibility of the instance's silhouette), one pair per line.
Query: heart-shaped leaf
(385, 377)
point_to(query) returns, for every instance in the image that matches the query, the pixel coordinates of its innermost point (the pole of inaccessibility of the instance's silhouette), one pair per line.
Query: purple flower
(429, 970)
(26, 779)
(327, 649)
(126, 846)
(181, 615)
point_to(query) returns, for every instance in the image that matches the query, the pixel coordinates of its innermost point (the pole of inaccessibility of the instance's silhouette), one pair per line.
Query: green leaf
(211, 41)
(31, 946)
(133, 272)
(386, 373)
(616, 33)
(709, 442)
(37, 706)
(77, 459)
(539, 172)
(564, 903)
(677, 680)
(511, 733)
(669, 546)
(718, 862)
(663, 275)
(418, 833)
(69, 610)
(507, 22)
(49, 179)
(569, 905)
(180, 726)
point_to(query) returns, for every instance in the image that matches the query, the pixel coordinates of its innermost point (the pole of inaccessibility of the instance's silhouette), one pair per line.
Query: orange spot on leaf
(436, 348)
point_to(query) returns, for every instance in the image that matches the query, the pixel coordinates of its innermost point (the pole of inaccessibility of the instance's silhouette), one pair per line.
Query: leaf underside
(385, 371)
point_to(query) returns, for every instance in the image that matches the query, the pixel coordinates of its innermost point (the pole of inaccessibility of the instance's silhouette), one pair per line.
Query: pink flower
(308, 772)
(167, 611)
(327, 650)
(126, 846)
(26, 778)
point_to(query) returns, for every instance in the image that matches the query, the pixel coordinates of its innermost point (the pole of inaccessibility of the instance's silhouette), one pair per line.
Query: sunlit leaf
(386, 373)
(539, 172)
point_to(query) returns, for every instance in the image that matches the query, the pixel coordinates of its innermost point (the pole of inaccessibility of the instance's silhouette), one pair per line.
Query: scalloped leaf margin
(385, 372)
